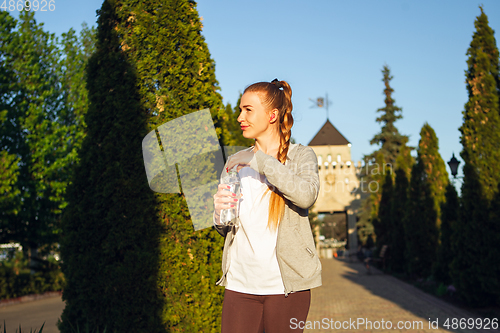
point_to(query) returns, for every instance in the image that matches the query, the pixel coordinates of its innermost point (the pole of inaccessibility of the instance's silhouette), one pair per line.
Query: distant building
(339, 187)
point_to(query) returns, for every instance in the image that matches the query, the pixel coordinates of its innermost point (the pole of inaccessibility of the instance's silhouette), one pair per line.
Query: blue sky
(338, 47)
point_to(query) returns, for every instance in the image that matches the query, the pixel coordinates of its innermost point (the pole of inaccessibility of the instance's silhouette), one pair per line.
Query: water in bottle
(233, 181)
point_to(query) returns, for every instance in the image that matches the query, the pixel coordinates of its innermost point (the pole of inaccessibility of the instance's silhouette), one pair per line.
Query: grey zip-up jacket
(298, 181)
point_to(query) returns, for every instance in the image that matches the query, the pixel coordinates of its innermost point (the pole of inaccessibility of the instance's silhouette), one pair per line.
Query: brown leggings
(247, 313)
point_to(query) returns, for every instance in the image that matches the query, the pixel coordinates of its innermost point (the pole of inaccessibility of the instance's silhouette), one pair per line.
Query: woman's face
(254, 117)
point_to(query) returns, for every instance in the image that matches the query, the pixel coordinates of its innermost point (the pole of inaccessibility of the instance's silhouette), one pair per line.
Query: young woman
(269, 261)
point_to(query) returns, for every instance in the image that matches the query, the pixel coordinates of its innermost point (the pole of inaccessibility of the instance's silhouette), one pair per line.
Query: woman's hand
(241, 159)
(224, 199)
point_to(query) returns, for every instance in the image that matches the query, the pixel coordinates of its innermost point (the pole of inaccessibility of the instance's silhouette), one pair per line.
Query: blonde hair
(277, 95)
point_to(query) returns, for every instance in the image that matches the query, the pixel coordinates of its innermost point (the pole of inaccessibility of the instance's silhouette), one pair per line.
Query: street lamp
(453, 163)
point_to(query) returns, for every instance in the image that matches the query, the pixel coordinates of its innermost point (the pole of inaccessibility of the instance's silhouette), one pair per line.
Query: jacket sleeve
(301, 187)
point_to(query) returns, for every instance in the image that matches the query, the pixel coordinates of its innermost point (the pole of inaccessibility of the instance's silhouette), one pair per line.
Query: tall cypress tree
(480, 139)
(421, 233)
(434, 166)
(397, 259)
(404, 162)
(446, 253)
(469, 244)
(480, 135)
(491, 282)
(164, 42)
(158, 68)
(384, 222)
(371, 183)
(110, 243)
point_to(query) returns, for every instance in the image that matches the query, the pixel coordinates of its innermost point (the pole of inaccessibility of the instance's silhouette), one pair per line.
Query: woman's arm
(301, 187)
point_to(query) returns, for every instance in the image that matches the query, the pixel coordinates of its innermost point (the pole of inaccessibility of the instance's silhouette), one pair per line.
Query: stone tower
(339, 182)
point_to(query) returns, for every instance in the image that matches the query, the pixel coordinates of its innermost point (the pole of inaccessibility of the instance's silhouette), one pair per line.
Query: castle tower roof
(328, 135)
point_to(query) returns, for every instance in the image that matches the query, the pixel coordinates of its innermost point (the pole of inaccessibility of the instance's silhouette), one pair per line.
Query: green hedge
(16, 282)
(132, 259)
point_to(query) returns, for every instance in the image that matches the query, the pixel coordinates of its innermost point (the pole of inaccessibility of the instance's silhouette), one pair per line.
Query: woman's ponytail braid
(286, 122)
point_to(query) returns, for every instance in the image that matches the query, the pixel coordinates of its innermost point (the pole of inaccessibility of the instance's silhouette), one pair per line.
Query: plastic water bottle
(233, 181)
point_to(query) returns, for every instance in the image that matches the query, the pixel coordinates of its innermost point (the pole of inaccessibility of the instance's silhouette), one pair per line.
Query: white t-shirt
(253, 267)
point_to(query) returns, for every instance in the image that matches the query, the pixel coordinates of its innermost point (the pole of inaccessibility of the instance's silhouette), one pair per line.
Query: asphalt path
(348, 293)
(378, 303)
(31, 315)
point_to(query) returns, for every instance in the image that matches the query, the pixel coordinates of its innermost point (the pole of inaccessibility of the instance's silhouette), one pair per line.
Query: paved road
(31, 315)
(348, 294)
